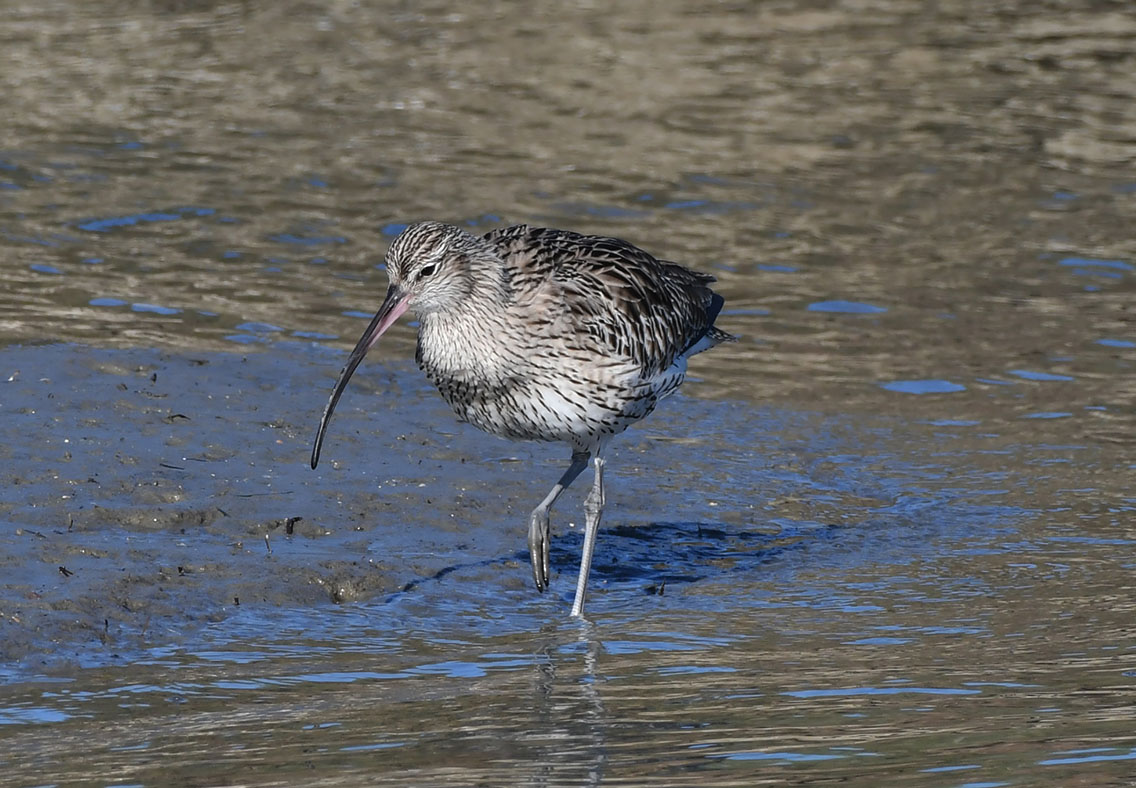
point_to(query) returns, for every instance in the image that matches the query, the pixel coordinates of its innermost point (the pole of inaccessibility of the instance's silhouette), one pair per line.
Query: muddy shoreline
(150, 493)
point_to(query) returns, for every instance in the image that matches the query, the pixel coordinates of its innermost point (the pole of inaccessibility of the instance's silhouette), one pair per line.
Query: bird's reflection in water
(570, 720)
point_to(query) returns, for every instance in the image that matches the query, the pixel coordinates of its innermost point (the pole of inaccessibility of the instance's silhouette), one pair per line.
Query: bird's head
(436, 267)
(433, 268)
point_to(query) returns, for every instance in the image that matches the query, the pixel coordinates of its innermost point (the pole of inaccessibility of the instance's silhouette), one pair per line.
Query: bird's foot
(539, 538)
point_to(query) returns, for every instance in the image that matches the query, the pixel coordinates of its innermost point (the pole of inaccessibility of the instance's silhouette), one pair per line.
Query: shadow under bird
(540, 334)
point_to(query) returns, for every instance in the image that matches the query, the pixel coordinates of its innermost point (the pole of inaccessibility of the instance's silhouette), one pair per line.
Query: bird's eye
(427, 270)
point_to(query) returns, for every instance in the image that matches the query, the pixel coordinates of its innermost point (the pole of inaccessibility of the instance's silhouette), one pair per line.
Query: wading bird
(541, 334)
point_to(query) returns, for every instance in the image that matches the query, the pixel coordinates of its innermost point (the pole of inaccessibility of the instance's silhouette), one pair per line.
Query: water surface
(886, 538)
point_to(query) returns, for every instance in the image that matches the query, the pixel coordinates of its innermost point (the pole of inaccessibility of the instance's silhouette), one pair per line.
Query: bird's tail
(715, 335)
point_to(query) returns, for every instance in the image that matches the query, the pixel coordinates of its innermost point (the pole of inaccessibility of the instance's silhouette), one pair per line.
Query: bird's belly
(579, 412)
(574, 394)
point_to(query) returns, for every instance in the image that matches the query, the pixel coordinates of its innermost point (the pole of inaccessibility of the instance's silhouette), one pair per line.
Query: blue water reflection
(846, 307)
(1028, 374)
(923, 386)
(106, 224)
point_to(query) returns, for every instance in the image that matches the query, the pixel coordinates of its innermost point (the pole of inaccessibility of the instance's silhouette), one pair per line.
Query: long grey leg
(539, 527)
(593, 510)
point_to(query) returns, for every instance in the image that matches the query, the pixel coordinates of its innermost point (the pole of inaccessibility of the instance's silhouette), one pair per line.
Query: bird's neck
(466, 341)
(489, 281)
(489, 291)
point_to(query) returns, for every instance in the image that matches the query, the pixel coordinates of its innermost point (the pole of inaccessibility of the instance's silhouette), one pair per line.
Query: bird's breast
(536, 388)
(473, 371)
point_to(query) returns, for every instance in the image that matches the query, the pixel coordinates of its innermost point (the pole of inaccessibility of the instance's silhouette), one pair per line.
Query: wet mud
(148, 493)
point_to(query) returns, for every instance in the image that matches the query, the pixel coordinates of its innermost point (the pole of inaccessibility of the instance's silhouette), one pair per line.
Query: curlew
(540, 334)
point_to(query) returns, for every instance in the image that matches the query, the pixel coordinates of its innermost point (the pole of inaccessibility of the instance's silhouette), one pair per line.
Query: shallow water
(887, 538)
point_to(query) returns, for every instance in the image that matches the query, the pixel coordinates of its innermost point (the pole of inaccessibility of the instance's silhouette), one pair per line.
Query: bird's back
(630, 304)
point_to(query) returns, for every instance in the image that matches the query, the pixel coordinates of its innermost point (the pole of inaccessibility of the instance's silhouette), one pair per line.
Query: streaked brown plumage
(543, 334)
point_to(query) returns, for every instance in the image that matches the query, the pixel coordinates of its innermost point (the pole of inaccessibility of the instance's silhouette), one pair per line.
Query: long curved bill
(395, 303)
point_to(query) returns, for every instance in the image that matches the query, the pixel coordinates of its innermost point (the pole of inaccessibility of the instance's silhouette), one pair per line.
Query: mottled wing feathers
(632, 304)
